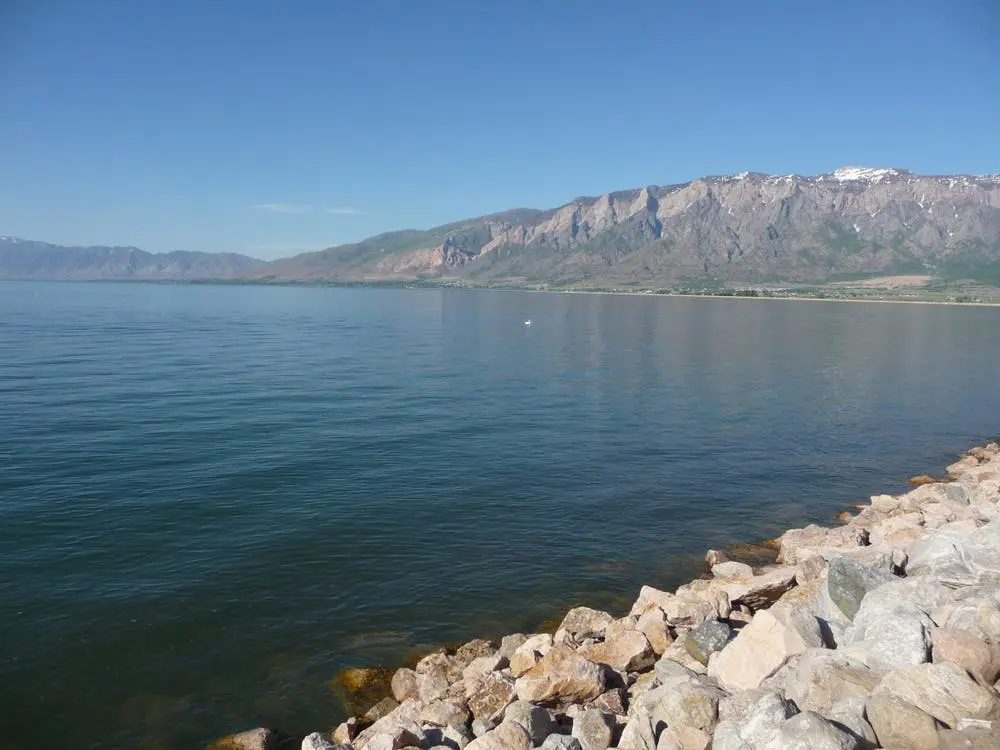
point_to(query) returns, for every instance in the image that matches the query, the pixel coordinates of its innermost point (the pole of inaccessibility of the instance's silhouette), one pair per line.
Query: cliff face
(745, 227)
(29, 260)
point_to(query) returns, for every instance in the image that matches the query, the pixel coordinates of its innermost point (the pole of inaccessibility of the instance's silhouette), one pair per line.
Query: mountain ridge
(749, 227)
(745, 227)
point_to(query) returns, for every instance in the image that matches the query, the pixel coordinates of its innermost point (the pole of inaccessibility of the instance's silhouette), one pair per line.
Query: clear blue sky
(268, 127)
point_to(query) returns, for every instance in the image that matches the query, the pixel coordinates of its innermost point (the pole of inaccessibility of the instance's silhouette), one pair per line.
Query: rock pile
(883, 632)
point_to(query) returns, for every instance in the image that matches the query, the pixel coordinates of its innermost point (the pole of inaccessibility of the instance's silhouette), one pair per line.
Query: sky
(272, 127)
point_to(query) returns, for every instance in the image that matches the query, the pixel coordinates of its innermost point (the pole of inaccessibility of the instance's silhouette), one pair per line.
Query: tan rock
(562, 674)
(649, 598)
(899, 724)
(252, 739)
(481, 666)
(942, 690)
(492, 696)
(529, 653)
(584, 622)
(762, 647)
(967, 651)
(653, 625)
(508, 736)
(683, 738)
(594, 729)
(614, 701)
(346, 731)
(626, 652)
(404, 684)
(732, 570)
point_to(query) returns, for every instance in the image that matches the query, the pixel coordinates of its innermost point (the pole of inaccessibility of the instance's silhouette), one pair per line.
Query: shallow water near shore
(214, 498)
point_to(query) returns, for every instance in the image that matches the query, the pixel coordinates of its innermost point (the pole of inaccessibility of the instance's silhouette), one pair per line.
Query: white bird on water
(527, 322)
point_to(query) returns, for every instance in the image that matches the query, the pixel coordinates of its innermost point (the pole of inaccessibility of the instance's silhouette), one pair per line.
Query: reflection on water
(213, 499)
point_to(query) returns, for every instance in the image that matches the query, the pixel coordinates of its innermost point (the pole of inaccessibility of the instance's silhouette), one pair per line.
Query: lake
(213, 498)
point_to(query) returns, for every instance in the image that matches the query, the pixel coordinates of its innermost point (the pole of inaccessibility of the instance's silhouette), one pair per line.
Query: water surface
(213, 498)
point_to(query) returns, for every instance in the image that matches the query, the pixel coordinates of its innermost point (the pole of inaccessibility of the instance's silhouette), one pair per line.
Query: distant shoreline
(419, 286)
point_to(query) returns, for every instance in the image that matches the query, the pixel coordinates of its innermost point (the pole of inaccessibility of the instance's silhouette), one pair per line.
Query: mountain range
(742, 228)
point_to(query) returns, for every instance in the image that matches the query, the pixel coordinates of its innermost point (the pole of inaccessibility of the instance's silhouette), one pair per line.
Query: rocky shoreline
(880, 633)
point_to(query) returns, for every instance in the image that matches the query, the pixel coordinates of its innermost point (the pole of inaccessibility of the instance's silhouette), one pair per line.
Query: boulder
(809, 731)
(584, 622)
(765, 589)
(901, 724)
(317, 741)
(849, 714)
(760, 648)
(444, 713)
(625, 651)
(732, 570)
(594, 729)
(683, 704)
(404, 684)
(346, 731)
(706, 639)
(649, 598)
(810, 569)
(943, 690)
(797, 545)
(683, 738)
(529, 653)
(677, 652)
(561, 742)
(383, 708)
(848, 581)
(653, 625)
(511, 643)
(507, 736)
(492, 696)
(562, 674)
(971, 653)
(638, 733)
(985, 737)
(537, 721)
(259, 738)
(818, 679)
(391, 733)
(691, 610)
(888, 635)
(475, 649)
(749, 719)
(479, 667)
(614, 701)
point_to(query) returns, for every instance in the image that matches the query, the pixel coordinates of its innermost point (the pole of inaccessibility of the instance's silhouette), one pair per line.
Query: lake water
(213, 498)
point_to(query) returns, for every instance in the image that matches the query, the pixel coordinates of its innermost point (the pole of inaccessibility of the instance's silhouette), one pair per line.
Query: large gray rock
(683, 704)
(848, 581)
(818, 679)
(849, 714)
(511, 643)
(974, 610)
(561, 675)
(943, 690)
(765, 644)
(507, 736)
(638, 733)
(683, 738)
(730, 569)
(448, 712)
(797, 545)
(561, 742)
(706, 639)
(889, 635)
(537, 721)
(809, 731)
(749, 719)
(901, 724)
(584, 622)
(594, 729)
(970, 738)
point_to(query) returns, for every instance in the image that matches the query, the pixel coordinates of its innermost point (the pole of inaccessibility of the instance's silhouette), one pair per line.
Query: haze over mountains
(748, 227)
